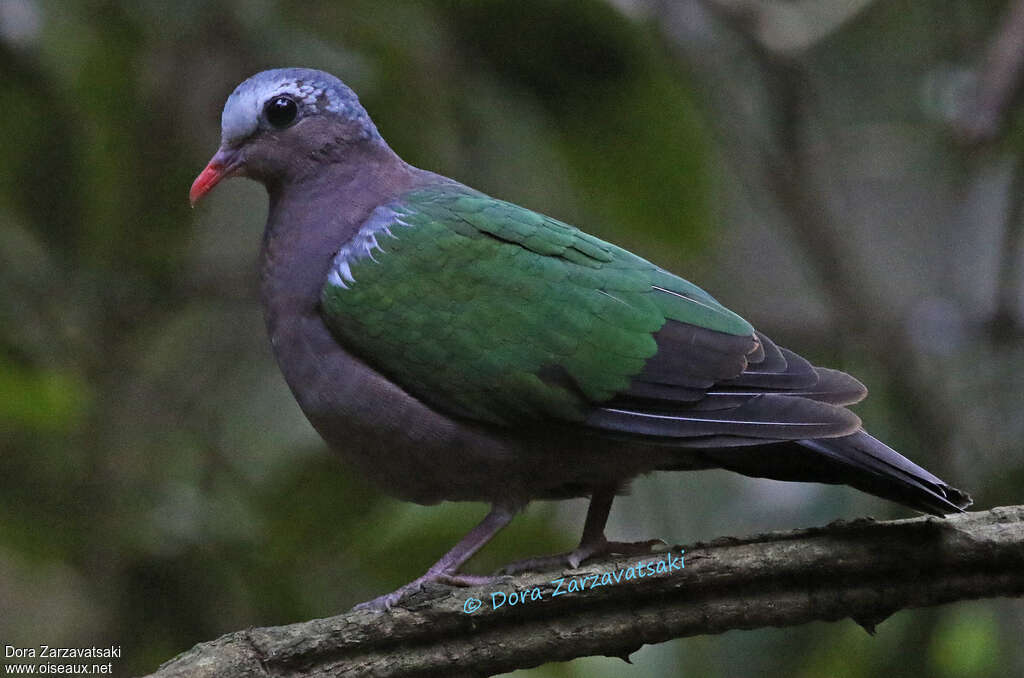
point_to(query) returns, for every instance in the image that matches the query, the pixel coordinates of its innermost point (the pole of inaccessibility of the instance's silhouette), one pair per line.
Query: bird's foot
(585, 552)
(446, 570)
(389, 600)
(467, 579)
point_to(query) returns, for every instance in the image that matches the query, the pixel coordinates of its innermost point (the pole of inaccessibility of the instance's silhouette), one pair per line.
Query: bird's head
(284, 121)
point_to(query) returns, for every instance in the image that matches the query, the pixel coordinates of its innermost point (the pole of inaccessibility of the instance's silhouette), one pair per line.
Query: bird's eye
(281, 112)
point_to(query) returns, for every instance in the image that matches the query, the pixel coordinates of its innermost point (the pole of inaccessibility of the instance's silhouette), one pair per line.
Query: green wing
(487, 310)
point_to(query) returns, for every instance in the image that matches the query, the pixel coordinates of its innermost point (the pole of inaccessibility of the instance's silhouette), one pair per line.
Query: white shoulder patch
(363, 243)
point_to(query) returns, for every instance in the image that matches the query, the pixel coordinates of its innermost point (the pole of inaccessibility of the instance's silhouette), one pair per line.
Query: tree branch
(775, 170)
(984, 119)
(1004, 325)
(999, 81)
(864, 569)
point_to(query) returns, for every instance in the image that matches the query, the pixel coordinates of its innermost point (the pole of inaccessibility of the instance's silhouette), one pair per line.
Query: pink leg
(446, 569)
(593, 543)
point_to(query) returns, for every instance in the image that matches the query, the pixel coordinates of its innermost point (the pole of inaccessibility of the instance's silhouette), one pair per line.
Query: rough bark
(864, 569)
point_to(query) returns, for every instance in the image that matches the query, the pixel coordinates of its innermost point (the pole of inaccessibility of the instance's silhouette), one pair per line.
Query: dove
(452, 346)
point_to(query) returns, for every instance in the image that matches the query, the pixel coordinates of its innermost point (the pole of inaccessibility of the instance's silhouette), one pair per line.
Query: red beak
(222, 165)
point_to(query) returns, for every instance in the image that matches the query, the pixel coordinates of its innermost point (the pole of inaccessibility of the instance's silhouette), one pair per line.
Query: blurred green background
(805, 161)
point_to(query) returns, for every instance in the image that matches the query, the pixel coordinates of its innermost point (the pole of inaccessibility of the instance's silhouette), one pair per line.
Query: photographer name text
(566, 585)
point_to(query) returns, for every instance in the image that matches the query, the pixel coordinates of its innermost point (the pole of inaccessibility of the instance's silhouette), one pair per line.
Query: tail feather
(858, 460)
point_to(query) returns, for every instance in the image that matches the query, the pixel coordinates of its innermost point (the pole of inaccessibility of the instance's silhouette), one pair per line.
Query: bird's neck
(311, 217)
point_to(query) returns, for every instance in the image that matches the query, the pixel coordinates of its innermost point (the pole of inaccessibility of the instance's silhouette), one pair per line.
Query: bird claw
(389, 600)
(585, 552)
(446, 570)
(637, 548)
(465, 580)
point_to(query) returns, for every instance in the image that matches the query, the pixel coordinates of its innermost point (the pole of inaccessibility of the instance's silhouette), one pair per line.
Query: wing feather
(764, 416)
(486, 310)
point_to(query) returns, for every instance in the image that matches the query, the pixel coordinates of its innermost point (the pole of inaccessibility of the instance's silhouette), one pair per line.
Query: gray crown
(314, 91)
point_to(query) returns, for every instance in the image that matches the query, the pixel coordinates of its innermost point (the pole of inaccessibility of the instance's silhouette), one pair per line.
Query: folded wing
(491, 312)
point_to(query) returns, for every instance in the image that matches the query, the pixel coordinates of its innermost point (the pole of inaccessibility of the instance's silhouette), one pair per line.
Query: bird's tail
(858, 460)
